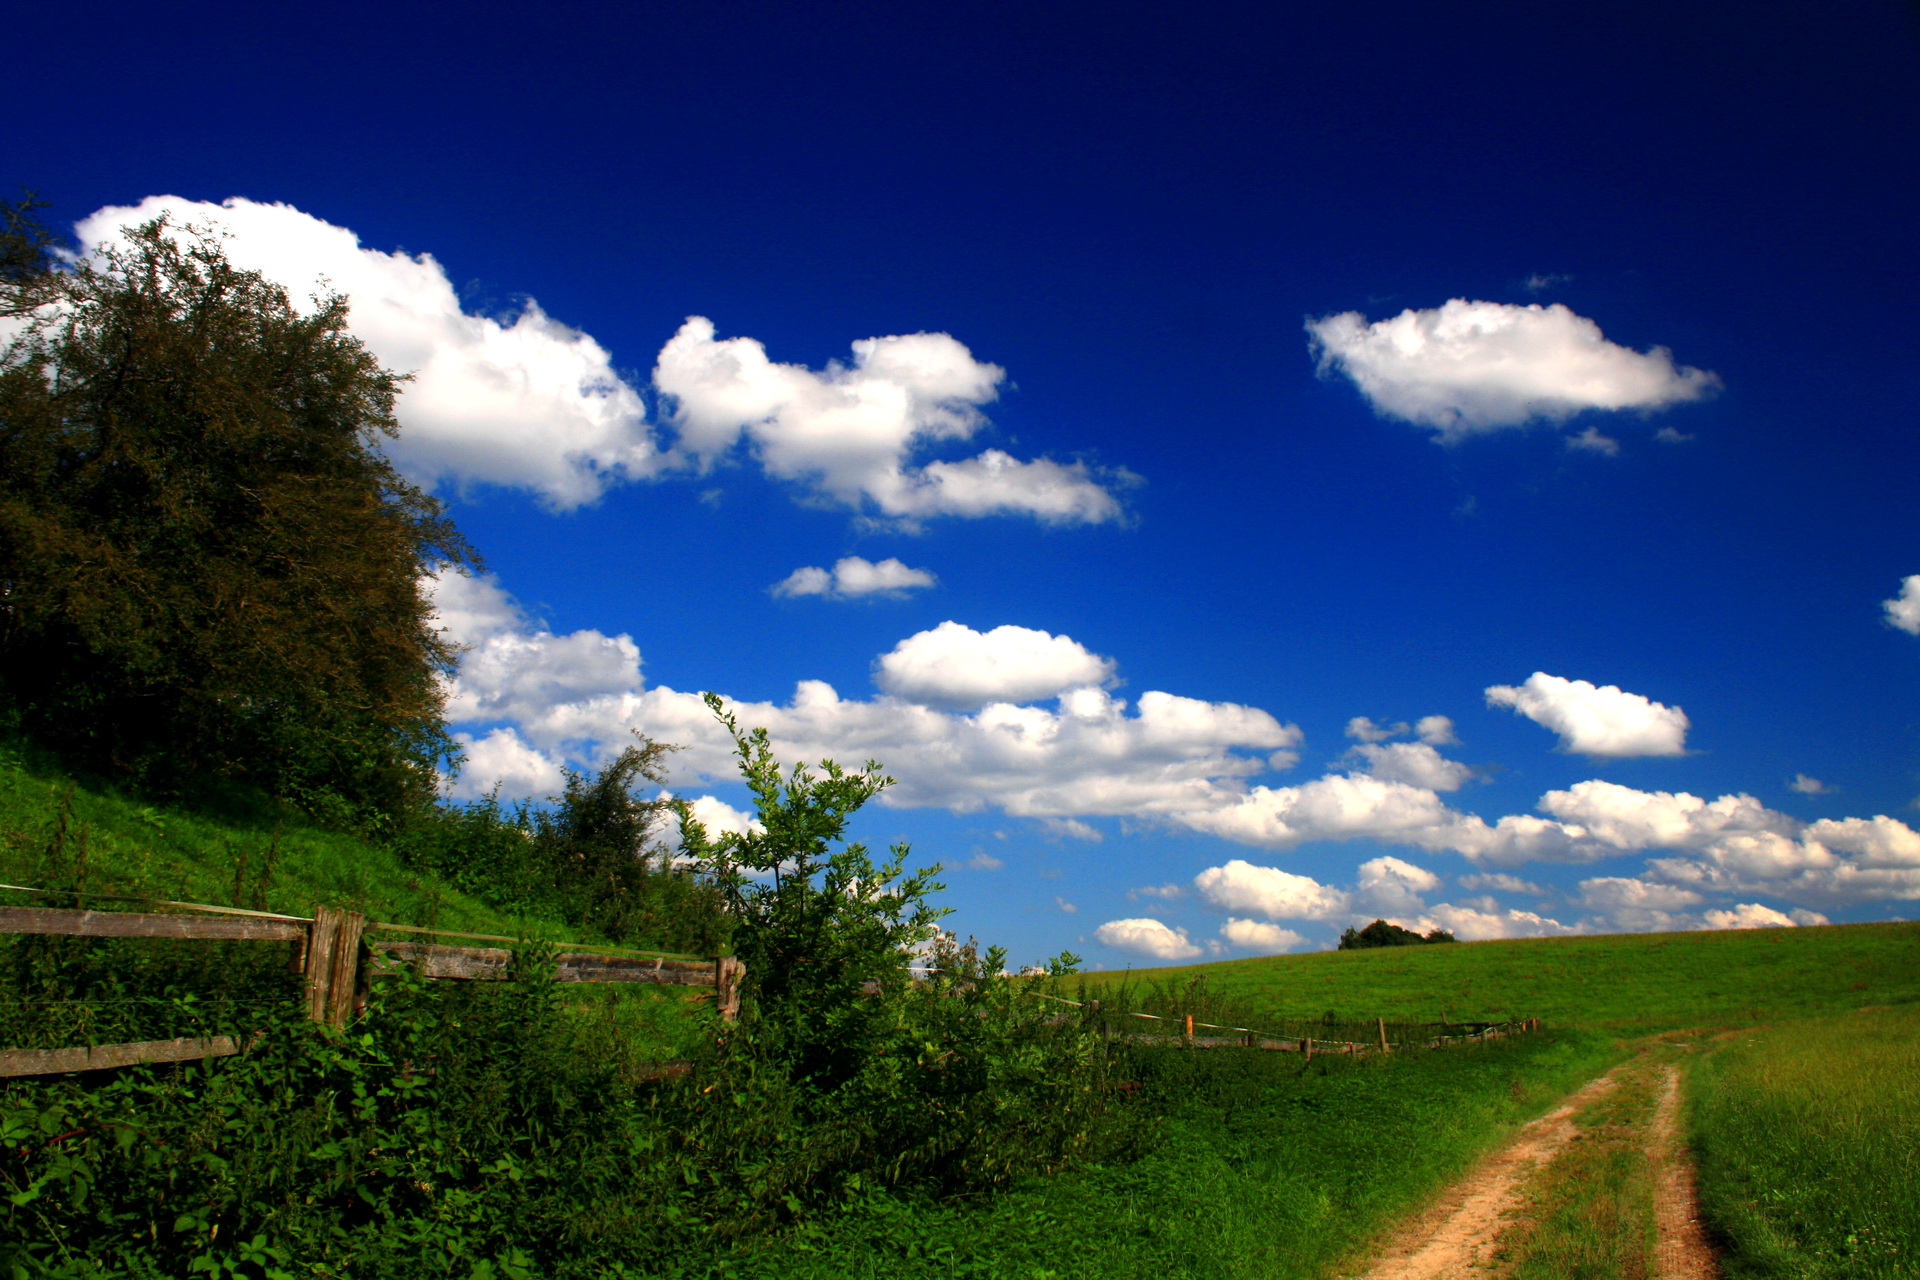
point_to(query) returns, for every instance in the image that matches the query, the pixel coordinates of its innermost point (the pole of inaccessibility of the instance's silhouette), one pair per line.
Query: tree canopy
(207, 565)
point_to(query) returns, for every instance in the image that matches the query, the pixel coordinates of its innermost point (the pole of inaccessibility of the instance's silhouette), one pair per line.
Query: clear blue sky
(1611, 379)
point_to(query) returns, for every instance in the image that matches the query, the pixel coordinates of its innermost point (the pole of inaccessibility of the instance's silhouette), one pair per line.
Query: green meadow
(1625, 984)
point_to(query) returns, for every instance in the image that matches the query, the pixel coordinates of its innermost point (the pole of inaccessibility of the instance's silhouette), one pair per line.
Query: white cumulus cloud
(853, 577)
(1903, 611)
(1389, 885)
(849, 433)
(1146, 937)
(1808, 786)
(1469, 367)
(955, 666)
(1750, 915)
(1596, 720)
(1259, 937)
(1241, 886)
(1415, 763)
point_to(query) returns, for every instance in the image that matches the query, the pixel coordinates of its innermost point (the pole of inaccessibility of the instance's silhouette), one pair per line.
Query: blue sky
(1091, 411)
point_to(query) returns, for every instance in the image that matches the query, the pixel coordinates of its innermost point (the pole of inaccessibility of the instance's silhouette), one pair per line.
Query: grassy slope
(136, 849)
(1626, 983)
(1808, 1136)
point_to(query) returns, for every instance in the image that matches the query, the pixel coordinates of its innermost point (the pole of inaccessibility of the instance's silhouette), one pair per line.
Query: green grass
(1808, 1139)
(1257, 1168)
(1627, 983)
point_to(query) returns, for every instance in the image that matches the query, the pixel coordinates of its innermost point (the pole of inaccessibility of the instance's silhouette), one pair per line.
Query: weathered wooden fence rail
(337, 961)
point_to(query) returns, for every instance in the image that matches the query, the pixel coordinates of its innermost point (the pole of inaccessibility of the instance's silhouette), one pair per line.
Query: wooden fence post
(1188, 1032)
(1383, 1035)
(1306, 1048)
(333, 964)
(727, 972)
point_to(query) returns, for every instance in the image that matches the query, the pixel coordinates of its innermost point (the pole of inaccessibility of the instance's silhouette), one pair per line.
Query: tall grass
(1808, 1138)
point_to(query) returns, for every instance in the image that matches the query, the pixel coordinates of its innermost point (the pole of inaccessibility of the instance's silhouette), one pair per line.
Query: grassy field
(1808, 1137)
(1625, 983)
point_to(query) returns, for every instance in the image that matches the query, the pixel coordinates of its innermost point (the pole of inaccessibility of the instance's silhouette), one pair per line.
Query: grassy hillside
(1627, 983)
(52, 828)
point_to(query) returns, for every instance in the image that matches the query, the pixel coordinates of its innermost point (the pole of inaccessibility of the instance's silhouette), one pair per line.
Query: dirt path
(1457, 1238)
(1682, 1252)
(1458, 1235)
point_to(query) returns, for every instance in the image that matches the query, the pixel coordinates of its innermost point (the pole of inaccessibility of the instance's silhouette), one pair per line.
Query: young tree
(207, 565)
(825, 934)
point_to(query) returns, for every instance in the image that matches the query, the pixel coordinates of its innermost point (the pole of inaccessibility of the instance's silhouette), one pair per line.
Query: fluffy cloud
(1470, 367)
(503, 759)
(1435, 731)
(847, 433)
(720, 818)
(1637, 905)
(1090, 754)
(955, 666)
(1903, 611)
(1240, 886)
(1596, 720)
(1389, 885)
(1337, 807)
(1260, 937)
(525, 401)
(1472, 924)
(515, 669)
(522, 400)
(1415, 763)
(1808, 786)
(853, 577)
(1749, 915)
(1146, 938)
(1363, 729)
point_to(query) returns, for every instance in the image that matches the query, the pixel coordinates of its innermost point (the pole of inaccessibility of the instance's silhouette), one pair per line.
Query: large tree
(207, 565)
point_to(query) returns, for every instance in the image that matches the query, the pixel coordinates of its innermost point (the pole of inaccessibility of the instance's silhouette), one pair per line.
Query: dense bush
(1382, 934)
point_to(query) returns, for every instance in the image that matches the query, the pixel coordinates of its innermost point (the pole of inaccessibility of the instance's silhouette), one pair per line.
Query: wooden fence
(337, 959)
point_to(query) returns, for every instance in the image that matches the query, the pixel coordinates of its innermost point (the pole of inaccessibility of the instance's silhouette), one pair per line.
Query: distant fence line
(336, 959)
(1306, 1046)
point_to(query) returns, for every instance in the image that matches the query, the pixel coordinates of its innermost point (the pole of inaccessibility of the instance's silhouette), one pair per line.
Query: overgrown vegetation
(1382, 934)
(1808, 1136)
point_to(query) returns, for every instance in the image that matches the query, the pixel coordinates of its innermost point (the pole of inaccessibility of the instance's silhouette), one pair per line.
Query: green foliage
(591, 859)
(1808, 1138)
(824, 932)
(211, 572)
(1382, 934)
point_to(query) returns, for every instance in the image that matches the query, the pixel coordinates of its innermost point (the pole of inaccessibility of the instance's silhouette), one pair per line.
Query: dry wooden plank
(46, 1062)
(140, 924)
(321, 940)
(492, 964)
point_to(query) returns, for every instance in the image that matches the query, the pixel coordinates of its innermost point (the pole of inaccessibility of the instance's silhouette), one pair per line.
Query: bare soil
(1682, 1251)
(1458, 1237)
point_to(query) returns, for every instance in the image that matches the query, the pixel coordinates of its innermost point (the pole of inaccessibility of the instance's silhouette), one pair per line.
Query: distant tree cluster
(208, 568)
(1382, 934)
